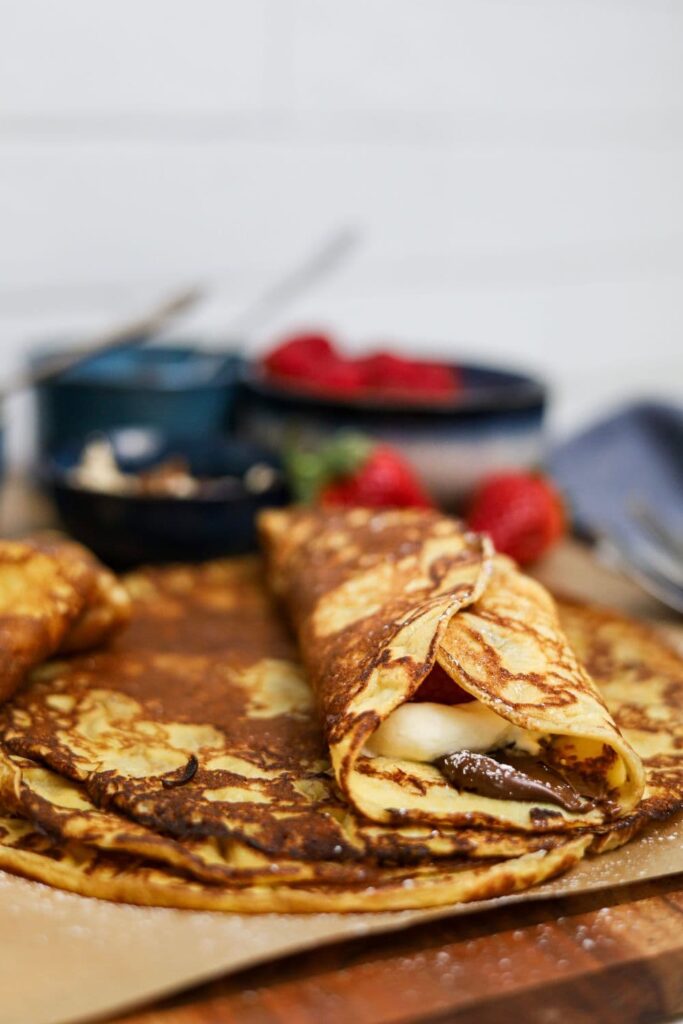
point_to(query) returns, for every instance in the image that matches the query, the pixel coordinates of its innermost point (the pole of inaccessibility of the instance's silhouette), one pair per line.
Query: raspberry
(439, 688)
(387, 372)
(300, 356)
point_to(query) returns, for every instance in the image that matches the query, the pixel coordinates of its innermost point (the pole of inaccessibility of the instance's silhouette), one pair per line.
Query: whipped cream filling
(426, 731)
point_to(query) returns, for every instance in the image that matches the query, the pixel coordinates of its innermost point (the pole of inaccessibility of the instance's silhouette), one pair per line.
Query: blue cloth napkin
(629, 460)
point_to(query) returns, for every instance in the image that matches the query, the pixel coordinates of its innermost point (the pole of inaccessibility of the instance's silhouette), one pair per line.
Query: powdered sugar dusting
(136, 953)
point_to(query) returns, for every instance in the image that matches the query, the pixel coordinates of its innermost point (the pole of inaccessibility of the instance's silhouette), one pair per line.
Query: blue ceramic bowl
(182, 391)
(494, 423)
(127, 530)
(2, 445)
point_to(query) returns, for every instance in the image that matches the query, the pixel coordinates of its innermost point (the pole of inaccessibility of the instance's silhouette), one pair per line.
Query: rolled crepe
(380, 601)
(54, 596)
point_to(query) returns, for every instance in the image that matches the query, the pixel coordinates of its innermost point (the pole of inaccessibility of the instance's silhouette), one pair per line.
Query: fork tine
(644, 515)
(661, 587)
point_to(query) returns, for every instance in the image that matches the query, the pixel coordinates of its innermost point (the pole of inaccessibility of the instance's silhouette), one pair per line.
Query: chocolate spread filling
(510, 776)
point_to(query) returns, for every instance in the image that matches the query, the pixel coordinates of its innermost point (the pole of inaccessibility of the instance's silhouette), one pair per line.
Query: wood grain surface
(613, 956)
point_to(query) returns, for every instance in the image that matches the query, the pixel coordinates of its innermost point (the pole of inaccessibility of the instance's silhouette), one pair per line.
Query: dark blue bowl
(495, 422)
(180, 390)
(128, 530)
(2, 446)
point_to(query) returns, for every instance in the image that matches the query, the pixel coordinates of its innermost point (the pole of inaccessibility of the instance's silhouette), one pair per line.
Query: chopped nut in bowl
(135, 495)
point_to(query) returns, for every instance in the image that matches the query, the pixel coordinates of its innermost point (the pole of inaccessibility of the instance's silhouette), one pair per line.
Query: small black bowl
(125, 530)
(494, 422)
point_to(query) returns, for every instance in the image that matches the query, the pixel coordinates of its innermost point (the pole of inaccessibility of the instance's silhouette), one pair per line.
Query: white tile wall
(514, 167)
(132, 56)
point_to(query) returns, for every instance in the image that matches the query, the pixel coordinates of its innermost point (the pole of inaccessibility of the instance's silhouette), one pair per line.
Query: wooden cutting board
(613, 956)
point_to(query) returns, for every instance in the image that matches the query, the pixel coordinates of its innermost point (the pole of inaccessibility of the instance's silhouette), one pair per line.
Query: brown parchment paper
(68, 959)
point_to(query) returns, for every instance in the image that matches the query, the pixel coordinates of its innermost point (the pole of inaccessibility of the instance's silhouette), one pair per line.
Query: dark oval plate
(494, 423)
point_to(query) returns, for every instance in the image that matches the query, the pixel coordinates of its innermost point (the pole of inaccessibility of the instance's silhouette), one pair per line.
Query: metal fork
(652, 554)
(664, 547)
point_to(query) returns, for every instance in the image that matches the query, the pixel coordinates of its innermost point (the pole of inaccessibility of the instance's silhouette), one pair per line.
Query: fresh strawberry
(522, 512)
(439, 688)
(385, 371)
(383, 480)
(351, 469)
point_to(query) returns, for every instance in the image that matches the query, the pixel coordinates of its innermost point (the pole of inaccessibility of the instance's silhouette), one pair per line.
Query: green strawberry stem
(309, 470)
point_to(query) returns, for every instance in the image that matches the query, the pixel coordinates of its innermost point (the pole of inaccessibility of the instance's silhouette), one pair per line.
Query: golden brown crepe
(640, 676)
(61, 809)
(208, 671)
(377, 598)
(107, 608)
(26, 851)
(198, 722)
(53, 595)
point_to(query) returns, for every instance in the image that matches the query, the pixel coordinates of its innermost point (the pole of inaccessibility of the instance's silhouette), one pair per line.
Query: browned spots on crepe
(120, 877)
(640, 677)
(53, 595)
(350, 578)
(207, 670)
(205, 690)
(376, 597)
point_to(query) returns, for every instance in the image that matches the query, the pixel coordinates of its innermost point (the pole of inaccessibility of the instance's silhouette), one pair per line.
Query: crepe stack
(352, 724)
